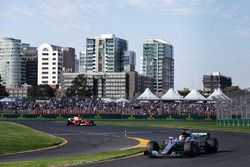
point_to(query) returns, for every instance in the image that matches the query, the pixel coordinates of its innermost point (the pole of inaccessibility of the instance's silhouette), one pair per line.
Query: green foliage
(234, 91)
(231, 89)
(79, 87)
(77, 160)
(3, 92)
(16, 138)
(209, 125)
(41, 92)
(184, 92)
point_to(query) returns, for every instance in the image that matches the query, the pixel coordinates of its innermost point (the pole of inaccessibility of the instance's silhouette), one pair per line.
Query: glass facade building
(105, 53)
(12, 64)
(30, 56)
(158, 62)
(82, 62)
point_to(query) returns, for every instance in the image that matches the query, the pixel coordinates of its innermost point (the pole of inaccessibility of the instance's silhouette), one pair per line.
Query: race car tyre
(211, 145)
(68, 123)
(153, 146)
(92, 123)
(190, 149)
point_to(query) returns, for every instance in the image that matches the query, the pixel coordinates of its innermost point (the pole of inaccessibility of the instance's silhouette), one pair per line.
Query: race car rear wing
(200, 134)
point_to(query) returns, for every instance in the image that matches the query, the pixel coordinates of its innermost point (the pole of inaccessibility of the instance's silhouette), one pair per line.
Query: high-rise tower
(158, 62)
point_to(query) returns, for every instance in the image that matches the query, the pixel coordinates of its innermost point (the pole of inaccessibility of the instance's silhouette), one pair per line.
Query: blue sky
(207, 35)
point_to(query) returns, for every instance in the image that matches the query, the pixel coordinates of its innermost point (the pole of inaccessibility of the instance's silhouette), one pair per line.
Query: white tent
(172, 95)
(194, 95)
(147, 95)
(223, 95)
(107, 100)
(121, 100)
(219, 95)
(6, 99)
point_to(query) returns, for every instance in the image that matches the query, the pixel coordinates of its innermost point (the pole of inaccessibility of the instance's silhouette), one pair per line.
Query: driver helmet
(77, 118)
(182, 137)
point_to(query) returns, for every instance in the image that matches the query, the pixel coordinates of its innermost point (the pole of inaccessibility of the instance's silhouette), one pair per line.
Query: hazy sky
(207, 35)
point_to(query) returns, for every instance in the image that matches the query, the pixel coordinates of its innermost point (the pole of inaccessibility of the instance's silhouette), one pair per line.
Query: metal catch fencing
(237, 108)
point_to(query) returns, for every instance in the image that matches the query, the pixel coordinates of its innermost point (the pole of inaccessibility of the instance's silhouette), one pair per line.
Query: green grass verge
(208, 125)
(75, 160)
(16, 138)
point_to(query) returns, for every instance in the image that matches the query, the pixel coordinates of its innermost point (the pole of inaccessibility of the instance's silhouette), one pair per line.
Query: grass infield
(205, 125)
(17, 138)
(75, 160)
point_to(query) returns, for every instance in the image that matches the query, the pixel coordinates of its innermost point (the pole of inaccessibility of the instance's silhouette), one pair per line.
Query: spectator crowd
(77, 105)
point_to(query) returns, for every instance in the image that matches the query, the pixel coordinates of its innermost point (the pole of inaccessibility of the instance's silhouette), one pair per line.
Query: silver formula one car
(186, 145)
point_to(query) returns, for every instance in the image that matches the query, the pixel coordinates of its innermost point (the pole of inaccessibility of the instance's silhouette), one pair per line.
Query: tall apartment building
(30, 57)
(105, 53)
(82, 61)
(158, 62)
(12, 64)
(214, 81)
(129, 60)
(50, 64)
(68, 59)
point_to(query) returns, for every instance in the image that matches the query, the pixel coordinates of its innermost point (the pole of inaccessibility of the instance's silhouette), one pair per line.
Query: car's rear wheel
(190, 149)
(211, 145)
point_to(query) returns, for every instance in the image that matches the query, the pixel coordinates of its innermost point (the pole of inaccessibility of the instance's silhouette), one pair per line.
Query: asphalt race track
(234, 150)
(234, 147)
(80, 140)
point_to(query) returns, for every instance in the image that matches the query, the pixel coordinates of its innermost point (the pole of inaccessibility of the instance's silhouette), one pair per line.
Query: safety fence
(235, 112)
(233, 122)
(108, 116)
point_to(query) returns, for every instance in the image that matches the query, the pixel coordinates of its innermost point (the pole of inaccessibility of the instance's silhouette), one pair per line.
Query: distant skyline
(207, 35)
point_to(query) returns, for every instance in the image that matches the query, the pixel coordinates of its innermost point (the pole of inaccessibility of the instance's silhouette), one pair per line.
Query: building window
(45, 49)
(44, 72)
(45, 58)
(45, 54)
(45, 63)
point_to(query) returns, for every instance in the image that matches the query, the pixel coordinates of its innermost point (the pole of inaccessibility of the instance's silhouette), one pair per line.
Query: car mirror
(171, 139)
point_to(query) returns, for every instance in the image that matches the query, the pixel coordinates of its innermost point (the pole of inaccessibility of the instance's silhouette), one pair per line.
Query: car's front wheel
(153, 146)
(190, 149)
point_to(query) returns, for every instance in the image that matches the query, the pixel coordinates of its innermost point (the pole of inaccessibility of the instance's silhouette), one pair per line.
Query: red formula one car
(80, 122)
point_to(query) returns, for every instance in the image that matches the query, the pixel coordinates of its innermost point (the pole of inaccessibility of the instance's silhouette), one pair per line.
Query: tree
(233, 91)
(184, 92)
(41, 92)
(3, 92)
(79, 87)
